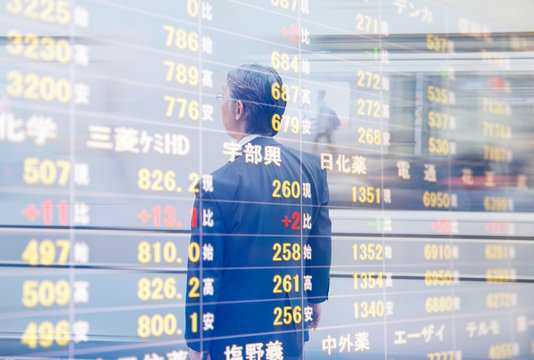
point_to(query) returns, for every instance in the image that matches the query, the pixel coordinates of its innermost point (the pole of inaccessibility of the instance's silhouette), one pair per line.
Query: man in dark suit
(261, 236)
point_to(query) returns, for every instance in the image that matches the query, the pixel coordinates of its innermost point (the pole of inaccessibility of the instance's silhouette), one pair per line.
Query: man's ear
(239, 110)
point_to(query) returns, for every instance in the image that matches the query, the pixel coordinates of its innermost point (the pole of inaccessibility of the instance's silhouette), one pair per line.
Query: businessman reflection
(261, 238)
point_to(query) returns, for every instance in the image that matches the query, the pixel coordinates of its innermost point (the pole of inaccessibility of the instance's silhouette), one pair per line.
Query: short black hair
(252, 84)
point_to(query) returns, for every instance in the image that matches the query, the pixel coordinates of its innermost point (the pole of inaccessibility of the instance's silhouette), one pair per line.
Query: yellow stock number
(181, 38)
(438, 304)
(288, 93)
(370, 136)
(369, 80)
(439, 146)
(157, 325)
(438, 278)
(436, 43)
(497, 252)
(285, 4)
(499, 300)
(185, 105)
(437, 94)
(499, 275)
(182, 74)
(289, 189)
(286, 284)
(368, 281)
(493, 129)
(496, 203)
(437, 252)
(368, 107)
(44, 252)
(288, 121)
(157, 180)
(438, 120)
(367, 24)
(45, 334)
(34, 47)
(442, 355)
(285, 62)
(439, 200)
(167, 253)
(46, 171)
(45, 293)
(33, 87)
(497, 153)
(366, 195)
(287, 315)
(369, 309)
(157, 289)
(367, 252)
(496, 107)
(286, 252)
(192, 8)
(501, 351)
(52, 11)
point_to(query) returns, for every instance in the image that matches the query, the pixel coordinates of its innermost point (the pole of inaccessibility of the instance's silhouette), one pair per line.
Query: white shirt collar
(248, 139)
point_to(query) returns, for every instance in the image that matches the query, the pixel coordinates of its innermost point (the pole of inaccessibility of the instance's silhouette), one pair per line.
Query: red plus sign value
(31, 212)
(194, 218)
(295, 220)
(293, 31)
(286, 221)
(144, 216)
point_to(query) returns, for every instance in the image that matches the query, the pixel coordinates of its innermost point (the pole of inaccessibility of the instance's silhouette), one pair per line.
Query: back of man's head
(253, 85)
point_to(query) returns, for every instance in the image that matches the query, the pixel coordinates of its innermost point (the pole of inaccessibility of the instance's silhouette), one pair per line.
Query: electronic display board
(115, 154)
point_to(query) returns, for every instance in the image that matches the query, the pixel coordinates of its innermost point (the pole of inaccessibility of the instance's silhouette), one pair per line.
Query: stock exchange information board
(110, 125)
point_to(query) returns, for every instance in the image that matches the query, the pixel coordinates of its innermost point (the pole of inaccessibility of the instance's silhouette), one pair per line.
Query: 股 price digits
(158, 253)
(288, 121)
(369, 309)
(181, 39)
(46, 334)
(285, 4)
(439, 200)
(44, 252)
(286, 252)
(182, 74)
(287, 315)
(285, 62)
(185, 106)
(157, 289)
(443, 355)
(366, 195)
(367, 252)
(438, 278)
(45, 293)
(437, 252)
(372, 136)
(286, 284)
(33, 87)
(157, 180)
(46, 171)
(157, 325)
(438, 304)
(52, 11)
(33, 47)
(370, 108)
(436, 43)
(368, 281)
(285, 92)
(290, 190)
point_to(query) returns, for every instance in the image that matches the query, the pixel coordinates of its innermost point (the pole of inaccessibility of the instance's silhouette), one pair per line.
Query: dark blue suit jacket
(252, 247)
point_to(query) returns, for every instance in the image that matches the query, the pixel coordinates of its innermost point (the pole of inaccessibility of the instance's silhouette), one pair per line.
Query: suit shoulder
(307, 159)
(224, 181)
